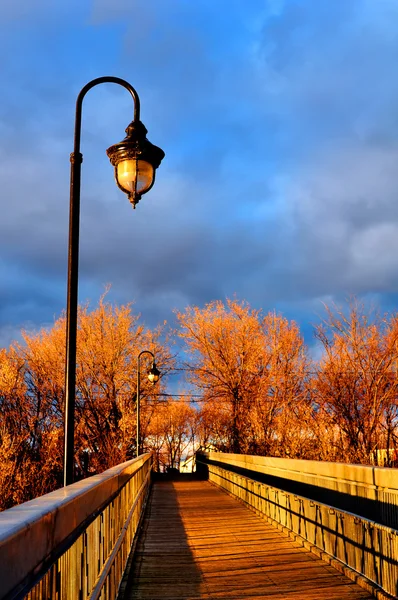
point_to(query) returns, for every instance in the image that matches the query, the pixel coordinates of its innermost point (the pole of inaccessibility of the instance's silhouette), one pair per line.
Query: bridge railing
(74, 543)
(369, 491)
(363, 549)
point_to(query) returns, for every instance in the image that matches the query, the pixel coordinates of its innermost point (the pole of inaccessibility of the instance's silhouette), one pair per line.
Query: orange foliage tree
(171, 433)
(356, 384)
(251, 369)
(109, 341)
(32, 399)
(14, 431)
(277, 425)
(226, 359)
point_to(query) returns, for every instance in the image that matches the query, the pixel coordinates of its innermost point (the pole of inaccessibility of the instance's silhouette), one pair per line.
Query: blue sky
(279, 120)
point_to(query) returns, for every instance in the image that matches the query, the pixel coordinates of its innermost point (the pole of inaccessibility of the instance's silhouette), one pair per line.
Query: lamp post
(135, 160)
(153, 376)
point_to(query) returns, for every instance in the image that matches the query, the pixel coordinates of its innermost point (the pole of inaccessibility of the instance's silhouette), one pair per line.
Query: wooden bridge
(221, 534)
(198, 542)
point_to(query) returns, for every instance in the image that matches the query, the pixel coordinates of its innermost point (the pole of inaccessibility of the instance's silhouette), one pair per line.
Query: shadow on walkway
(163, 566)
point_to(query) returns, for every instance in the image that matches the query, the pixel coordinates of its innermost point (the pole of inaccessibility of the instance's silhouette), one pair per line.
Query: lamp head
(135, 160)
(153, 373)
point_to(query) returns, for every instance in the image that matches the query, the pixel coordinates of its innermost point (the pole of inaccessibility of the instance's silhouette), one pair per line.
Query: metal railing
(369, 491)
(369, 549)
(74, 543)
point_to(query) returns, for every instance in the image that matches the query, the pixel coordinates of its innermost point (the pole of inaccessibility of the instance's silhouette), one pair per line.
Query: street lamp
(153, 377)
(135, 160)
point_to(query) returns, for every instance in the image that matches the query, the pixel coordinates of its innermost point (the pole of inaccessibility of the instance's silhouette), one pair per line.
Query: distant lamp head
(153, 373)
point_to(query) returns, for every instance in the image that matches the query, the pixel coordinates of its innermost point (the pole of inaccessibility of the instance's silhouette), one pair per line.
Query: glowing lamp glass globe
(135, 175)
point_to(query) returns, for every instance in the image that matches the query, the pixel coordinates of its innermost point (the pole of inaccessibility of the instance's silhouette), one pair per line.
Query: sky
(279, 120)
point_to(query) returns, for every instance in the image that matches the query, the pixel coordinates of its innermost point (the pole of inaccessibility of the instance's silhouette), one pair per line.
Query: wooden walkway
(198, 542)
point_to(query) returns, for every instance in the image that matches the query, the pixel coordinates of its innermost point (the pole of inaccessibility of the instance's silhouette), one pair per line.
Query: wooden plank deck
(198, 542)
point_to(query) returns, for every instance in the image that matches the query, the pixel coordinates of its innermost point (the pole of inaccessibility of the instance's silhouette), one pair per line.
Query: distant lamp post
(153, 377)
(135, 160)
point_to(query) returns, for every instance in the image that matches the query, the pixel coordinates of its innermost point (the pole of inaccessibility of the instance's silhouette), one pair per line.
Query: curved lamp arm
(83, 92)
